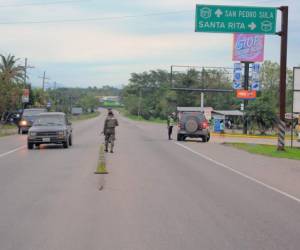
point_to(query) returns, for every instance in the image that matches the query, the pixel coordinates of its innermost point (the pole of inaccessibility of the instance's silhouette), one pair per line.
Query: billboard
(248, 47)
(25, 96)
(255, 83)
(237, 76)
(296, 105)
(246, 94)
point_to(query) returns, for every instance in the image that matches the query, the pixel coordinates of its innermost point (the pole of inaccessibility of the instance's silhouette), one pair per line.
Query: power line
(41, 3)
(98, 18)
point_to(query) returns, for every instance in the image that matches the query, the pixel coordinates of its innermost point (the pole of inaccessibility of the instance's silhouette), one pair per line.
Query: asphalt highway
(159, 194)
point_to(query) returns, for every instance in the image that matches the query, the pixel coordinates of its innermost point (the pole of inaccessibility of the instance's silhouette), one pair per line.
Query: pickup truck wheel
(66, 144)
(30, 145)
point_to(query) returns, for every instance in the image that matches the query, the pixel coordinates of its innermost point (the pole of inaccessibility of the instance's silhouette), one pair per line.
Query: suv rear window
(185, 115)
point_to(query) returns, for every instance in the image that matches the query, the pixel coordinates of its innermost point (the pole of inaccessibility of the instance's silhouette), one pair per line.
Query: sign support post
(282, 87)
(246, 87)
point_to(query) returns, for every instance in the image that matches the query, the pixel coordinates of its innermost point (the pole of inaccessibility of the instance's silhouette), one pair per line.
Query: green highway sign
(235, 19)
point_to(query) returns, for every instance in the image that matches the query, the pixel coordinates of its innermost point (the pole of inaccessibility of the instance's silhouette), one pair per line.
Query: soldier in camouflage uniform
(109, 130)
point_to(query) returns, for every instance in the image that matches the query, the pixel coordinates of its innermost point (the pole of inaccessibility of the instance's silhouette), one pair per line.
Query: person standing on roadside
(171, 124)
(297, 129)
(109, 130)
(222, 126)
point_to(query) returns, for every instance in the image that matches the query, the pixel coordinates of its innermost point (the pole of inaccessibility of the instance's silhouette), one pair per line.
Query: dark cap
(110, 112)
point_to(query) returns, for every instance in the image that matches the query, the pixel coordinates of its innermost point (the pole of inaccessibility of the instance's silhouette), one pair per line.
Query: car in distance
(50, 128)
(192, 123)
(28, 117)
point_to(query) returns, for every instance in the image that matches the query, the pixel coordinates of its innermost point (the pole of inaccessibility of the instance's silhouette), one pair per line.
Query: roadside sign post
(282, 87)
(246, 87)
(25, 96)
(235, 19)
(257, 20)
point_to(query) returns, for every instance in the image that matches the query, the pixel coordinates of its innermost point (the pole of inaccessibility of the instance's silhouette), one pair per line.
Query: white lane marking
(240, 173)
(12, 151)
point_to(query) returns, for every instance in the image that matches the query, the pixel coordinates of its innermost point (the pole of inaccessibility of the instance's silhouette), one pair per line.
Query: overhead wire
(41, 3)
(97, 18)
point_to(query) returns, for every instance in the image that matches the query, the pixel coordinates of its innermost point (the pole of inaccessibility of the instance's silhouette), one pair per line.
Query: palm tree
(10, 72)
(11, 79)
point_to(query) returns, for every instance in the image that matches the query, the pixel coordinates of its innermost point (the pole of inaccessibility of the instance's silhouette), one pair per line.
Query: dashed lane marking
(240, 173)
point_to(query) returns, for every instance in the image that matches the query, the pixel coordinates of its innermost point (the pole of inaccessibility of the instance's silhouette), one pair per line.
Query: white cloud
(122, 41)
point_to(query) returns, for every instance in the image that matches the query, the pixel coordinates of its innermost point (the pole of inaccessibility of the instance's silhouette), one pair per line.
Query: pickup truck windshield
(50, 121)
(31, 112)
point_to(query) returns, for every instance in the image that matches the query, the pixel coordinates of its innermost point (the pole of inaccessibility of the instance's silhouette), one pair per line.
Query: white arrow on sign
(252, 26)
(219, 13)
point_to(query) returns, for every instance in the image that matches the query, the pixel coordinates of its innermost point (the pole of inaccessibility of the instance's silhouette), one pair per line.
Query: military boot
(112, 147)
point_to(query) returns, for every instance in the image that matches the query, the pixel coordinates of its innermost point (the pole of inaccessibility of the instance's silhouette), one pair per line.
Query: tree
(11, 82)
(151, 91)
(261, 114)
(10, 72)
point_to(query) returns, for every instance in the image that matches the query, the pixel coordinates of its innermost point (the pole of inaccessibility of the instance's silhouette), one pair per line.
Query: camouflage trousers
(109, 139)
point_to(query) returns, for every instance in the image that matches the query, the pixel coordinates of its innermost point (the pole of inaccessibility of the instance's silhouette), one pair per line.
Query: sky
(81, 43)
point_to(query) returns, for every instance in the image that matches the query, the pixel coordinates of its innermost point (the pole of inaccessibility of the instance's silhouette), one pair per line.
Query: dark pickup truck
(28, 117)
(50, 128)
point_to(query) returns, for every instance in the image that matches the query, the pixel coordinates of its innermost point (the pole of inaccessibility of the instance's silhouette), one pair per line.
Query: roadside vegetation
(6, 130)
(84, 116)
(12, 83)
(268, 150)
(149, 94)
(140, 118)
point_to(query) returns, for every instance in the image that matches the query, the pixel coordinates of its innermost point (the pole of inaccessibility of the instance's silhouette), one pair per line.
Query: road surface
(159, 194)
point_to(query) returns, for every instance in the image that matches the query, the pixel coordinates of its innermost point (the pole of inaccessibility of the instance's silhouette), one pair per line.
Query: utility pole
(44, 78)
(25, 70)
(25, 80)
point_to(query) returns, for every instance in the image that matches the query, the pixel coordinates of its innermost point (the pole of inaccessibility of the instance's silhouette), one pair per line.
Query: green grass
(6, 130)
(84, 116)
(268, 150)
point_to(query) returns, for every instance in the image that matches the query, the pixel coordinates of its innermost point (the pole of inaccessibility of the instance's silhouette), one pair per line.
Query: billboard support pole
(282, 87)
(202, 101)
(246, 87)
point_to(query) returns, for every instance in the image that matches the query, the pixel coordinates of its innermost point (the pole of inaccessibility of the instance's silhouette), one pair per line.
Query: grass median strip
(101, 168)
(268, 150)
